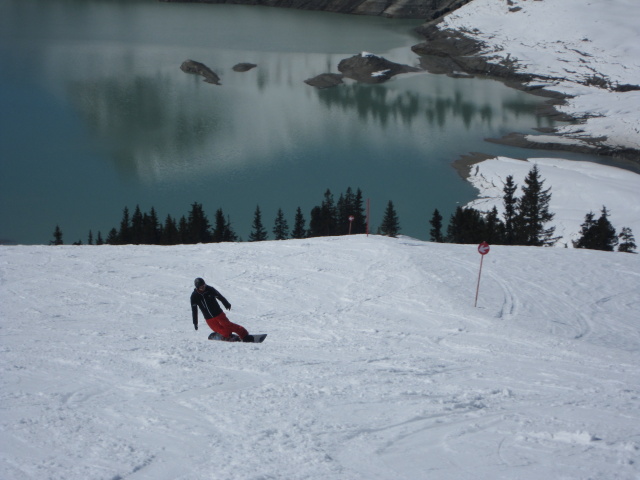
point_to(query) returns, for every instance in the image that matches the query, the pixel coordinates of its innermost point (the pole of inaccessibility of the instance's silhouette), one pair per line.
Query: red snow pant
(221, 324)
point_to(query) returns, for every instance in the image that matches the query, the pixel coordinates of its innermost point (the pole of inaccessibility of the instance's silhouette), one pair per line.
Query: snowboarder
(206, 297)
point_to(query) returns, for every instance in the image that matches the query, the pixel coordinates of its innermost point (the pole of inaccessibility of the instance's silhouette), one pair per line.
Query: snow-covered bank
(377, 365)
(578, 46)
(576, 189)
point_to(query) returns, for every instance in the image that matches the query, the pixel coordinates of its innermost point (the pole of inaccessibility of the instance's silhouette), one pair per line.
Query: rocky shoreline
(463, 164)
(418, 9)
(453, 53)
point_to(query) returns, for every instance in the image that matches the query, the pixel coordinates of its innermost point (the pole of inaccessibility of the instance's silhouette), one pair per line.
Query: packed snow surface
(377, 364)
(575, 45)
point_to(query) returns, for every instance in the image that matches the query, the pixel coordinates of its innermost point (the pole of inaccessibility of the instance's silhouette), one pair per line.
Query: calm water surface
(96, 114)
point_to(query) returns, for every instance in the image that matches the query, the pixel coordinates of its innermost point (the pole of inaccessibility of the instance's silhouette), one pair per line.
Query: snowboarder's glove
(195, 325)
(227, 305)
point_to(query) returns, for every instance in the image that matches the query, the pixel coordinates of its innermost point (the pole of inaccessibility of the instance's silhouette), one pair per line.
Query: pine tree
(533, 213)
(607, 237)
(124, 234)
(90, 239)
(183, 230)
(151, 228)
(350, 205)
(627, 241)
(587, 232)
(113, 238)
(222, 231)
(494, 228)
(57, 237)
(281, 228)
(510, 202)
(315, 224)
(229, 234)
(329, 215)
(299, 230)
(220, 224)
(170, 234)
(436, 227)
(360, 221)
(99, 240)
(343, 207)
(136, 226)
(324, 218)
(199, 228)
(390, 222)
(466, 226)
(258, 233)
(597, 234)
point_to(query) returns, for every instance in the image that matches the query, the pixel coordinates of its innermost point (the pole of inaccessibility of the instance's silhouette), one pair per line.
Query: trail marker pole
(483, 249)
(351, 219)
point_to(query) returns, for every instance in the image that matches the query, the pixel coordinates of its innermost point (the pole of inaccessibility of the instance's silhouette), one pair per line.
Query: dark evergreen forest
(523, 222)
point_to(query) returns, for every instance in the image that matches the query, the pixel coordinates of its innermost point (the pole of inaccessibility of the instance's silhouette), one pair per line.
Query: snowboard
(257, 338)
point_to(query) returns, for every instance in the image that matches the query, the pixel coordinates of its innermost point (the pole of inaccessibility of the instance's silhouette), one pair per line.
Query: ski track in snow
(377, 365)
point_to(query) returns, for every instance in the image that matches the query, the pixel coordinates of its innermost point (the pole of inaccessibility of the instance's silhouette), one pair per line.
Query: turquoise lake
(96, 115)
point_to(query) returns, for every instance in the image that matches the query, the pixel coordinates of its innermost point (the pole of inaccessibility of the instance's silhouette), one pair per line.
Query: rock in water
(197, 68)
(325, 80)
(244, 67)
(370, 68)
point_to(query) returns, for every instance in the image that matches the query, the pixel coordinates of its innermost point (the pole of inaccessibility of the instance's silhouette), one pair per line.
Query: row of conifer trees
(524, 222)
(330, 218)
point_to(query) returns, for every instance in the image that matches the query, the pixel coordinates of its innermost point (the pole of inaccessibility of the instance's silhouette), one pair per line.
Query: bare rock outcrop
(422, 9)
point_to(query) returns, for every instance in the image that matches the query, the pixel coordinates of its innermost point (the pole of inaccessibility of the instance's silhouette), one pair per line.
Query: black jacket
(208, 303)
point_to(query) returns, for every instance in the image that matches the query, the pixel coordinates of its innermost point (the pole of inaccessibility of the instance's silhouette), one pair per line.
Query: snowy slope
(572, 43)
(577, 188)
(377, 364)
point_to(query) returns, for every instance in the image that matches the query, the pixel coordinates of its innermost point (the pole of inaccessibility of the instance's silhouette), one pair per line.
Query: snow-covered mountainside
(377, 364)
(589, 50)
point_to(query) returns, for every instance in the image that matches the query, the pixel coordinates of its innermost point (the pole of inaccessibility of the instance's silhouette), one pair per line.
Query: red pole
(478, 287)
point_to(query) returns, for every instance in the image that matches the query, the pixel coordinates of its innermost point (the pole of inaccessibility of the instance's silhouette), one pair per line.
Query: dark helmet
(198, 282)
